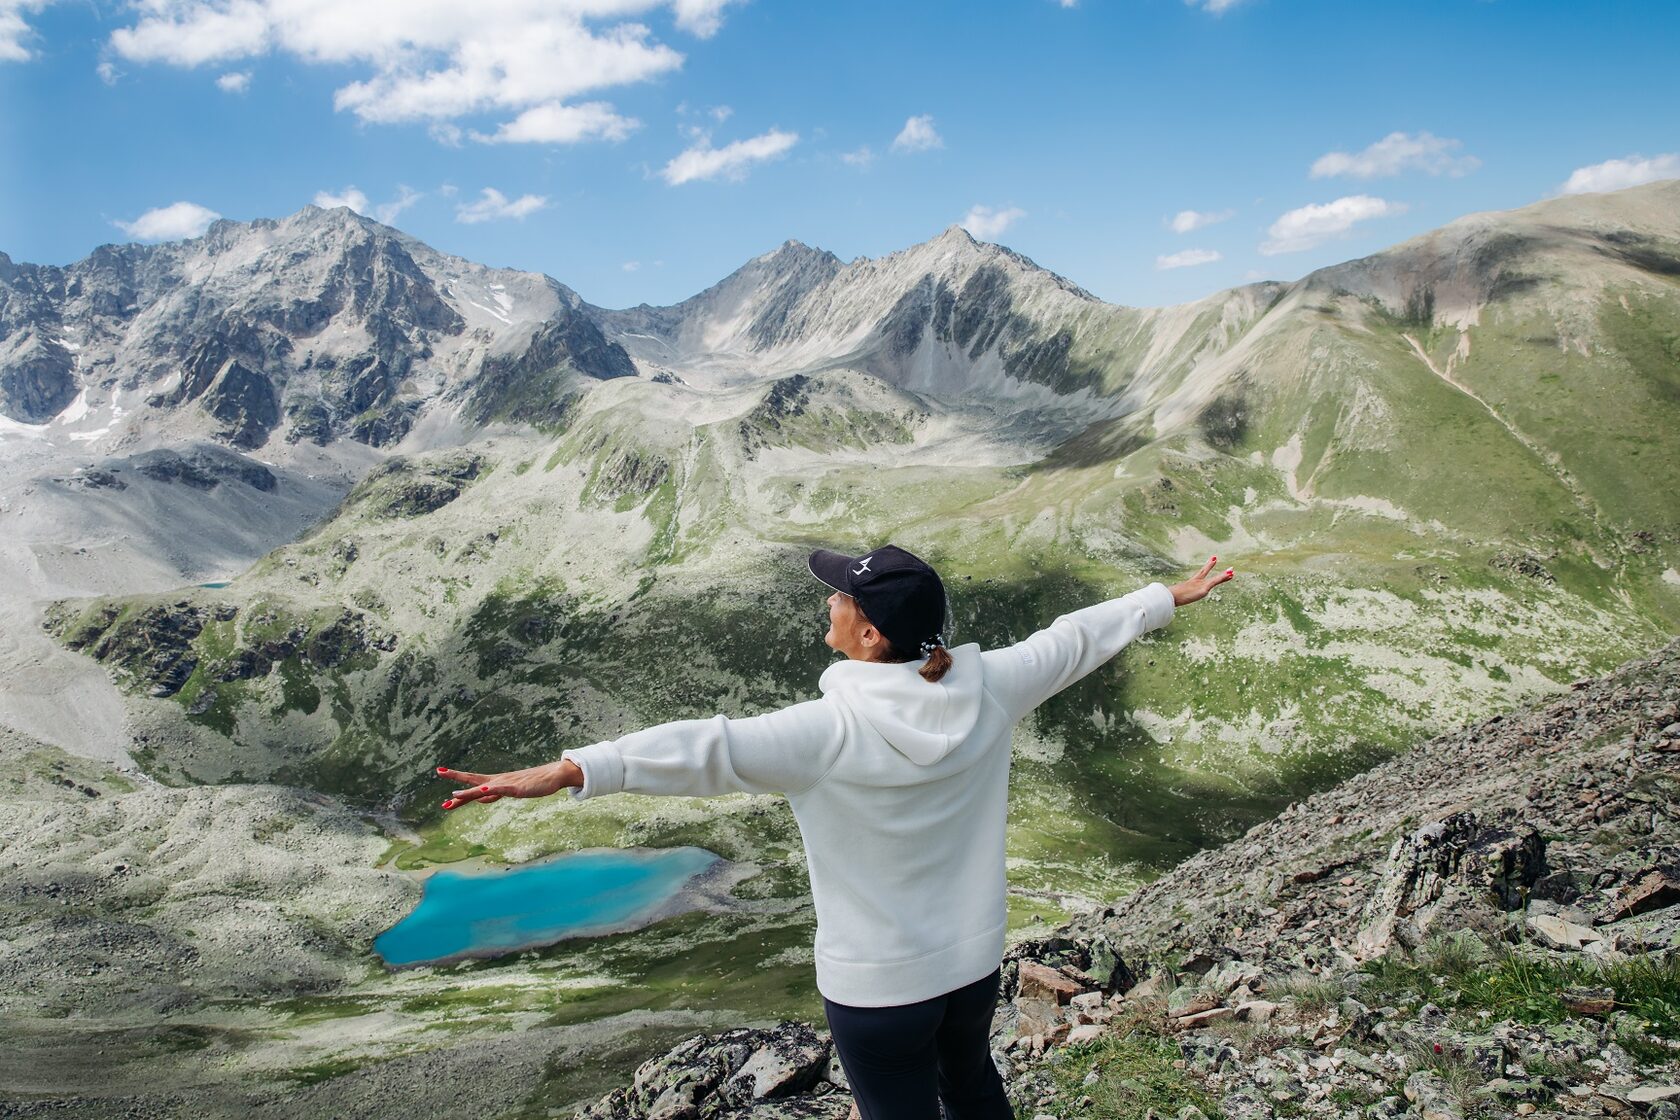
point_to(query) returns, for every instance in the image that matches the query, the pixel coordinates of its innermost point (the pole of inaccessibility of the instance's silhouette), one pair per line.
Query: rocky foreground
(1485, 926)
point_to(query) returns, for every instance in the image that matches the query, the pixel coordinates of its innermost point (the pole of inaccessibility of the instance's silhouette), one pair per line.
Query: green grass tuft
(1135, 1076)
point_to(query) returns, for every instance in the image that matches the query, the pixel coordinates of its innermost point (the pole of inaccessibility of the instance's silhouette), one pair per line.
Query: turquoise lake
(487, 913)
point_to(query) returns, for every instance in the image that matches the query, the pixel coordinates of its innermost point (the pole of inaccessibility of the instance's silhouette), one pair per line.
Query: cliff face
(1484, 925)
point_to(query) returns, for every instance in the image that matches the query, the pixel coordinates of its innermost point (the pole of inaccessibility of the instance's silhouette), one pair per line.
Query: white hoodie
(900, 788)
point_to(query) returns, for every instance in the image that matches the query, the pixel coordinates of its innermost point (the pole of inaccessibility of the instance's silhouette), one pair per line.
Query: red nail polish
(484, 789)
(448, 803)
(1230, 571)
(443, 770)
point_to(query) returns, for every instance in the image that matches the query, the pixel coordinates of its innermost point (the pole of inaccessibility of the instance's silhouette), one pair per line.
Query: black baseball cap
(900, 594)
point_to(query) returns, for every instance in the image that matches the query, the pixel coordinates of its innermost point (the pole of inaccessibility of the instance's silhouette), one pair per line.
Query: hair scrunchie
(932, 644)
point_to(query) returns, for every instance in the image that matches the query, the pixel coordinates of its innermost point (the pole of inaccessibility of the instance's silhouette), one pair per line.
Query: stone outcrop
(737, 1074)
(401, 487)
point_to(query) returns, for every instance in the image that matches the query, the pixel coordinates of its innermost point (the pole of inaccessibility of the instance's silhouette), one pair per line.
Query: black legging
(903, 1062)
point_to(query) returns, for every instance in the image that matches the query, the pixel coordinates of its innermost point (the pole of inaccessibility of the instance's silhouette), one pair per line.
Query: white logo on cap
(862, 567)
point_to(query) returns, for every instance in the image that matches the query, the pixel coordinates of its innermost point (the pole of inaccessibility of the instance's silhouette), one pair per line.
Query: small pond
(488, 913)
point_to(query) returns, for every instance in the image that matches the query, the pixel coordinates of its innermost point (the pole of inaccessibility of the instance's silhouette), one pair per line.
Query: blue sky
(641, 151)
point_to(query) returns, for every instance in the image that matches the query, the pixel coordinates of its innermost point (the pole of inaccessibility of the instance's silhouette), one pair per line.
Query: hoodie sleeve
(1022, 676)
(786, 751)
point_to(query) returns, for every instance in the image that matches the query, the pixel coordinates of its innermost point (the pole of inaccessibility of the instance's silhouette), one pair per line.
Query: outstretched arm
(785, 751)
(1026, 674)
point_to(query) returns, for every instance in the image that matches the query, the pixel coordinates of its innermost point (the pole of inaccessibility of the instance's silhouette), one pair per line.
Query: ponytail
(938, 663)
(937, 659)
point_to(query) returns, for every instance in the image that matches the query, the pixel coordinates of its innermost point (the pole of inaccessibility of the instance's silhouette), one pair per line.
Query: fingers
(1214, 581)
(464, 777)
(475, 793)
(477, 790)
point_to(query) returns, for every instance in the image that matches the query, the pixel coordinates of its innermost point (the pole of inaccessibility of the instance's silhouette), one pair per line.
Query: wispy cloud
(728, 162)
(170, 223)
(701, 17)
(918, 135)
(349, 196)
(15, 30)
(235, 81)
(434, 61)
(987, 222)
(1616, 174)
(385, 213)
(555, 123)
(1310, 226)
(1217, 7)
(1189, 258)
(1188, 221)
(1396, 153)
(492, 205)
(861, 157)
(630, 266)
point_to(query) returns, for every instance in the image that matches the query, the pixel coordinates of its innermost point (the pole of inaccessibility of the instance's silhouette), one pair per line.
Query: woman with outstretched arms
(898, 777)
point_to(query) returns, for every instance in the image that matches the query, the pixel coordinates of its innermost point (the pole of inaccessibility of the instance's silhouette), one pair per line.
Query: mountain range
(295, 510)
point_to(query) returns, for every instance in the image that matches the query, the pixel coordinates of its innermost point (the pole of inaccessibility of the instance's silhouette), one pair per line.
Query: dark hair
(938, 659)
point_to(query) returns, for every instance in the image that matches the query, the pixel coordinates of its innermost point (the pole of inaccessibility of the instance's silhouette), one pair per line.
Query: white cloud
(108, 72)
(918, 135)
(1215, 6)
(170, 223)
(1187, 259)
(385, 212)
(1187, 221)
(555, 123)
(700, 17)
(728, 162)
(350, 197)
(1395, 153)
(1310, 226)
(14, 30)
(236, 81)
(987, 222)
(492, 204)
(631, 266)
(1615, 174)
(426, 60)
(862, 157)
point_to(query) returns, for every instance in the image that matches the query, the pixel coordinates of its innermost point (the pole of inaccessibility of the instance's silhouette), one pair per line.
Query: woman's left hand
(1200, 584)
(534, 781)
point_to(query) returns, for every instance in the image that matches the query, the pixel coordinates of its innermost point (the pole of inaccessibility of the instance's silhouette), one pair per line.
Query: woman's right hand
(1200, 584)
(534, 781)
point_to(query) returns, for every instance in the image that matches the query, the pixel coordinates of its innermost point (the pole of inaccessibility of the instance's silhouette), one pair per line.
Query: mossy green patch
(1135, 1077)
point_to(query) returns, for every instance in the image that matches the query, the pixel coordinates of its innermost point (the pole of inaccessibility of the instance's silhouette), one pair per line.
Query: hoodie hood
(924, 721)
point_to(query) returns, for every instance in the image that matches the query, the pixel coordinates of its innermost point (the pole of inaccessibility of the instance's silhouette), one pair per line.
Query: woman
(898, 778)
